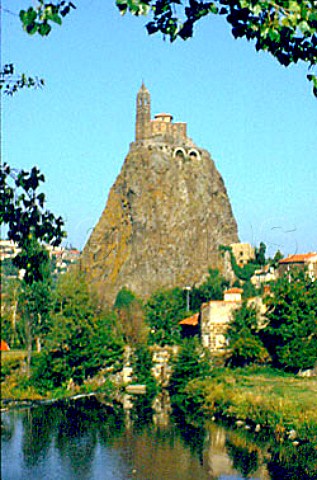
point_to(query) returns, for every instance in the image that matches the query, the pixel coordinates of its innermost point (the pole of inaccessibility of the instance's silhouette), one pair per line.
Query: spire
(143, 114)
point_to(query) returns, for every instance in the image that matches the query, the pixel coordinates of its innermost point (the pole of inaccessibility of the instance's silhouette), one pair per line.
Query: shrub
(245, 344)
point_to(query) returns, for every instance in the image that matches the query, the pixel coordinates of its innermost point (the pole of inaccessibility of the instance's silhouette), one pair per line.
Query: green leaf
(31, 28)
(44, 29)
(56, 19)
(213, 8)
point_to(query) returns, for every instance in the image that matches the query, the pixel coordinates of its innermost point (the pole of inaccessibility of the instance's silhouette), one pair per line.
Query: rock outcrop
(165, 217)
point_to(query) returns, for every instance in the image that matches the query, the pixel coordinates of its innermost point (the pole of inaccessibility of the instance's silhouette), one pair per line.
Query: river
(87, 440)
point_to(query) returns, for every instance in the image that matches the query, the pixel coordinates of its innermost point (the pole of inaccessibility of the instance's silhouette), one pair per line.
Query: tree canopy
(245, 345)
(211, 289)
(287, 29)
(163, 310)
(291, 333)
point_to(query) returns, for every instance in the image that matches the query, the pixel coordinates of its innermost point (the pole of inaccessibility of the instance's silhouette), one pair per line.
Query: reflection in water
(244, 458)
(88, 440)
(293, 463)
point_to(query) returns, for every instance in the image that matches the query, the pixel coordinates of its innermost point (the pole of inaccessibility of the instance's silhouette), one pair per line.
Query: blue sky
(257, 119)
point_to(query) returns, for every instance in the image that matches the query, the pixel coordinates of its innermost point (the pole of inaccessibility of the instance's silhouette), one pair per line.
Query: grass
(14, 381)
(275, 400)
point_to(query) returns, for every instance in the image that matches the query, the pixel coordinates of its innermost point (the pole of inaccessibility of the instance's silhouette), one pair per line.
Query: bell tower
(143, 114)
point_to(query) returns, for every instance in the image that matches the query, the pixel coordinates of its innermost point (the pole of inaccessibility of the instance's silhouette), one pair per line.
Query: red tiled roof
(4, 347)
(298, 258)
(234, 290)
(192, 321)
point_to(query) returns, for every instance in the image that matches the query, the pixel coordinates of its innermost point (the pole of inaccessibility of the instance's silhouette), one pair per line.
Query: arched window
(179, 152)
(194, 154)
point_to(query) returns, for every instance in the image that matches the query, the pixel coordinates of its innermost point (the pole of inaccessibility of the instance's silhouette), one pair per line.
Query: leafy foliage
(245, 344)
(29, 223)
(291, 333)
(192, 363)
(11, 325)
(277, 257)
(249, 290)
(287, 29)
(260, 255)
(163, 311)
(11, 82)
(142, 364)
(35, 304)
(39, 19)
(124, 298)
(243, 273)
(80, 342)
(23, 211)
(211, 289)
(130, 318)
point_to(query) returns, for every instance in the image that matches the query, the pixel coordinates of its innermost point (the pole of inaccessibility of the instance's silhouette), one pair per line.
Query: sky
(257, 119)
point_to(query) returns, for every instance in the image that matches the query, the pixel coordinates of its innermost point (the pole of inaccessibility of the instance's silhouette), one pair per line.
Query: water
(87, 440)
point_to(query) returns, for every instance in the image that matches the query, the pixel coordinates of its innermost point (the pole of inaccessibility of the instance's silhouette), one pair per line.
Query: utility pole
(188, 289)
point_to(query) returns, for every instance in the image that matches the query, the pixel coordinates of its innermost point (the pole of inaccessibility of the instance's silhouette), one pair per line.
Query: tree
(291, 333)
(242, 273)
(142, 364)
(82, 339)
(191, 363)
(11, 324)
(211, 289)
(35, 304)
(286, 29)
(130, 314)
(245, 345)
(260, 255)
(277, 257)
(31, 226)
(249, 290)
(163, 311)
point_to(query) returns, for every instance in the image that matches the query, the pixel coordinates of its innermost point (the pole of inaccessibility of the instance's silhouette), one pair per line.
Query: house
(4, 347)
(216, 315)
(190, 325)
(243, 252)
(301, 261)
(263, 275)
(8, 249)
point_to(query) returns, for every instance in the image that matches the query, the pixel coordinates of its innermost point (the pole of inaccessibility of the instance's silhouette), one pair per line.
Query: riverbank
(260, 400)
(256, 398)
(17, 390)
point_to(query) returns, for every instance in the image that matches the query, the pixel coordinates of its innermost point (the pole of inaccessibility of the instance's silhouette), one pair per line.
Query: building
(190, 325)
(62, 257)
(263, 275)
(4, 347)
(301, 261)
(161, 130)
(8, 249)
(216, 315)
(161, 126)
(243, 252)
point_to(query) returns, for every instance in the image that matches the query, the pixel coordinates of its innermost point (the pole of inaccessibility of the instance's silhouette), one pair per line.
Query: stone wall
(161, 370)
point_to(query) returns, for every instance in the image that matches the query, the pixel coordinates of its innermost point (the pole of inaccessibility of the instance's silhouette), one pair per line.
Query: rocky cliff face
(165, 217)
